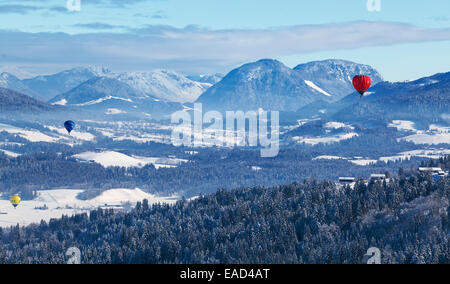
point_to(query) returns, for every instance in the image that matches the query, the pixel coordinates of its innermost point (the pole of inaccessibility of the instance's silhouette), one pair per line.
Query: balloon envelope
(362, 83)
(69, 125)
(15, 200)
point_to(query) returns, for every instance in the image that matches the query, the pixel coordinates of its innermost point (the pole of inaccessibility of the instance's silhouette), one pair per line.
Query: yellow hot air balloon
(15, 200)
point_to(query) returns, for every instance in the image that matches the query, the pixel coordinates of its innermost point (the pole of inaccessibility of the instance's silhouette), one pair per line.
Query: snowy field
(116, 159)
(364, 161)
(325, 139)
(53, 135)
(31, 135)
(65, 202)
(426, 153)
(403, 125)
(434, 135)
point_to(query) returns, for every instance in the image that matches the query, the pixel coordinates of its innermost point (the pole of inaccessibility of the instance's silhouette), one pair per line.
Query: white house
(430, 170)
(347, 180)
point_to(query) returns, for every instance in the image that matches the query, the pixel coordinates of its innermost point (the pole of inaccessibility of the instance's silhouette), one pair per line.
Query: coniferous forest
(303, 222)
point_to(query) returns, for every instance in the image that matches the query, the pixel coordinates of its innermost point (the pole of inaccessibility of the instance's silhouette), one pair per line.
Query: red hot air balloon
(362, 84)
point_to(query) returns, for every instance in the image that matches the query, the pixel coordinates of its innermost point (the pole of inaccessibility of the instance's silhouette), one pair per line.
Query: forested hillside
(204, 173)
(306, 222)
(14, 101)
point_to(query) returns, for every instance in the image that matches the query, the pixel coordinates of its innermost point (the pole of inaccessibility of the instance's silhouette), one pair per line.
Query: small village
(436, 173)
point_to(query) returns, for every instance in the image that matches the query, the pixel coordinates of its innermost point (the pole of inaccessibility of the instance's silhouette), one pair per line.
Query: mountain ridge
(11, 100)
(269, 84)
(112, 96)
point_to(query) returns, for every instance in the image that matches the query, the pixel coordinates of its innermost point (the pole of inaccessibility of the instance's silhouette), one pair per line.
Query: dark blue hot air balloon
(69, 125)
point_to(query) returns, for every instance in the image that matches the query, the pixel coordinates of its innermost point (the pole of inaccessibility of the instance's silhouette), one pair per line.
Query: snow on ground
(6, 143)
(9, 153)
(430, 139)
(300, 122)
(62, 102)
(363, 162)
(145, 138)
(116, 159)
(337, 125)
(325, 140)
(164, 84)
(355, 160)
(30, 135)
(85, 136)
(256, 168)
(315, 87)
(433, 136)
(424, 153)
(329, 158)
(55, 135)
(116, 196)
(104, 99)
(403, 125)
(110, 159)
(65, 202)
(438, 129)
(112, 111)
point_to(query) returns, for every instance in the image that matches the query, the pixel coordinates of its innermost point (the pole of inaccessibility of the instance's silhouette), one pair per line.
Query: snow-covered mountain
(267, 83)
(49, 86)
(16, 71)
(164, 84)
(335, 76)
(9, 81)
(424, 100)
(111, 96)
(209, 79)
(271, 85)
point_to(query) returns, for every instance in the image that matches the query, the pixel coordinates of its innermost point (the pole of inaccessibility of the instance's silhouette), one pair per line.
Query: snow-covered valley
(54, 203)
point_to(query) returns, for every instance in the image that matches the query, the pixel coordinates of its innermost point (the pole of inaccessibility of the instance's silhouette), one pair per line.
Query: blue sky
(405, 40)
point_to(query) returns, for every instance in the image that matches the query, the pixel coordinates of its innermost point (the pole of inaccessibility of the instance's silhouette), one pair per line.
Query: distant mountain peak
(11, 82)
(16, 71)
(208, 79)
(270, 84)
(343, 69)
(49, 86)
(110, 95)
(99, 70)
(269, 61)
(164, 84)
(335, 75)
(267, 84)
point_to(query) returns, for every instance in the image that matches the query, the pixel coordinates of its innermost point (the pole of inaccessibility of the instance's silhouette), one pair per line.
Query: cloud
(10, 7)
(195, 49)
(25, 9)
(99, 26)
(18, 9)
(117, 3)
